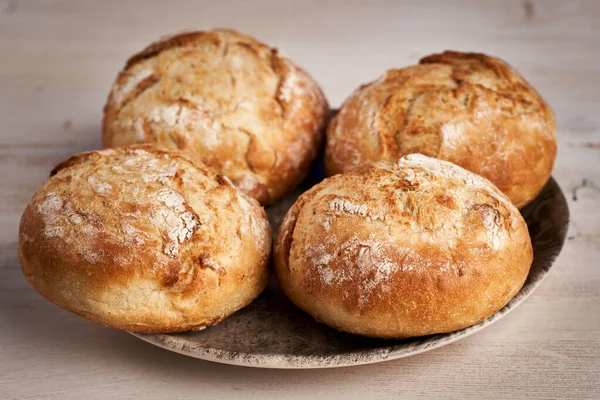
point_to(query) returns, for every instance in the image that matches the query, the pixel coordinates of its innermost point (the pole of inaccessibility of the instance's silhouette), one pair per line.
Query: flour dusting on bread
(413, 166)
(49, 208)
(179, 222)
(348, 207)
(122, 90)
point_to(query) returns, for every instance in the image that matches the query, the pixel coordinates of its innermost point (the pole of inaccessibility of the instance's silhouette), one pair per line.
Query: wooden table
(57, 62)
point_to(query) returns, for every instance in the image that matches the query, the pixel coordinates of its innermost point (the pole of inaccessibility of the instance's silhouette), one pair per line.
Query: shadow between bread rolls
(413, 248)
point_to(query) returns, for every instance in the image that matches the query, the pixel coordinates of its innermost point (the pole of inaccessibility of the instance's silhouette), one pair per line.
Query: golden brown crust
(415, 248)
(468, 108)
(144, 239)
(230, 101)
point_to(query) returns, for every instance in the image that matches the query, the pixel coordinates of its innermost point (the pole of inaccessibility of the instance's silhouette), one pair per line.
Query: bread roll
(409, 249)
(144, 239)
(227, 99)
(471, 109)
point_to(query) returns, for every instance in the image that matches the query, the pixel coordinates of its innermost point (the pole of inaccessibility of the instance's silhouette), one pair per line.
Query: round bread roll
(471, 109)
(144, 239)
(398, 250)
(230, 101)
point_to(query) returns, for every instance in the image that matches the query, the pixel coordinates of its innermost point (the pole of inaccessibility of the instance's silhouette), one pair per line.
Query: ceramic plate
(272, 333)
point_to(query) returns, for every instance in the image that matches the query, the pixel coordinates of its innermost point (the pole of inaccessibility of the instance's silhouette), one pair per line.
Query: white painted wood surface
(57, 62)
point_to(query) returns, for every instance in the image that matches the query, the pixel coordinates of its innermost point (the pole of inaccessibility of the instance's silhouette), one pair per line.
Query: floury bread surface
(471, 109)
(144, 239)
(227, 99)
(413, 248)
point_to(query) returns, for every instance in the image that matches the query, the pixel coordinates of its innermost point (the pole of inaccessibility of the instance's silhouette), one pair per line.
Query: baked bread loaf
(230, 101)
(471, 109)
(144, 239)
(398, 250)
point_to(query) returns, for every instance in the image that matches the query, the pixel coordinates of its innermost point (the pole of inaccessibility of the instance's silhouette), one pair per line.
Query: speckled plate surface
(272, 333)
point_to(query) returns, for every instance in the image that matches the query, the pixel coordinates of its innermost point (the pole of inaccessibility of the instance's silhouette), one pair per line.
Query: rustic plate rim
(394, 351)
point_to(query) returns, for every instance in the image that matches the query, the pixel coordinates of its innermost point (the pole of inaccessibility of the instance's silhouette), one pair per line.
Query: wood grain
(58, 59)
